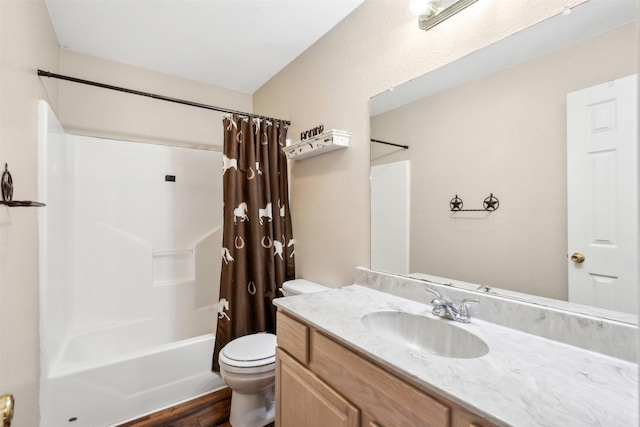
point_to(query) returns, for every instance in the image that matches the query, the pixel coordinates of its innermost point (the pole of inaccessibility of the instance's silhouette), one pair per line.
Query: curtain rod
(154, 96)
(406, 147)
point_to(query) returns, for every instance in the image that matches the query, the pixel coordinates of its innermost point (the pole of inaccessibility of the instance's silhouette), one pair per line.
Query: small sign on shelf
(319, 144)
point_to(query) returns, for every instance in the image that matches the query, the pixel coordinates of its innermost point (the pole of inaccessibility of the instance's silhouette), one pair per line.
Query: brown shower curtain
(257, 242)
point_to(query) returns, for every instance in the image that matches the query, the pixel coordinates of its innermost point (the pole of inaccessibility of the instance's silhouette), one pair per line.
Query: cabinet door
(302, 399)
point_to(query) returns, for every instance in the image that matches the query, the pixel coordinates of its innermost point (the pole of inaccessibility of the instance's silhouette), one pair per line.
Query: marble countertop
(524, 380)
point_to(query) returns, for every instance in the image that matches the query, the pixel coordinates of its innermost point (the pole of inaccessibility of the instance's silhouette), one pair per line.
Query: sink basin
(434, 336)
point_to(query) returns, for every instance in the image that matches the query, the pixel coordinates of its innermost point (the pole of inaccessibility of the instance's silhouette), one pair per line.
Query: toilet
(248, 367)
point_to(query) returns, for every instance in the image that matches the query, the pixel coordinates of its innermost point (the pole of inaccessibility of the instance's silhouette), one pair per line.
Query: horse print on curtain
(257, 241)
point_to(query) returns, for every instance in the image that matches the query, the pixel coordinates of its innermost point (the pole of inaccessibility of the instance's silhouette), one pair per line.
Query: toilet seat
(255, 353)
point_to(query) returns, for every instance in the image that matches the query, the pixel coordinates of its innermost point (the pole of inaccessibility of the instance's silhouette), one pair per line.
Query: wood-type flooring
(211, 410)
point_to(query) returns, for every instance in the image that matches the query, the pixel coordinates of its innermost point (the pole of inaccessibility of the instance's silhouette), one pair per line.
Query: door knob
(577, 257)
(6, 405)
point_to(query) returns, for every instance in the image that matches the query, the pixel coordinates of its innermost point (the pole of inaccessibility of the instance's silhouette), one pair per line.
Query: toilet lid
(302, 286)
(254, 347)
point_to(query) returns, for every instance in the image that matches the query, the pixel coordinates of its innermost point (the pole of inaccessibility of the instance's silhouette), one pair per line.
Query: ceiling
(235, 44)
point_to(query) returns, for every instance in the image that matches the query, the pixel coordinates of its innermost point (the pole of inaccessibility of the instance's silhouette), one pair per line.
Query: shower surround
(129, 278)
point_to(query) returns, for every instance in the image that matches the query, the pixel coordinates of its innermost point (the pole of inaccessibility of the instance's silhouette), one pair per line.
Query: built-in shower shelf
(173, 253)
(320, 144)
(175, 282)
(173, 267)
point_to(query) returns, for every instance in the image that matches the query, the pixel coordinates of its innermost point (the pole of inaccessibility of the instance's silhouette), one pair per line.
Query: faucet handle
(463, 309)
(440, 306)
(434, 292)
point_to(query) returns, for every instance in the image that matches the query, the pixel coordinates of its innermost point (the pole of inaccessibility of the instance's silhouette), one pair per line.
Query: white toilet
(248, 367)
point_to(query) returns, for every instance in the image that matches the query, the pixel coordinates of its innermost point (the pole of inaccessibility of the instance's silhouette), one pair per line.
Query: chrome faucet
(445, 308)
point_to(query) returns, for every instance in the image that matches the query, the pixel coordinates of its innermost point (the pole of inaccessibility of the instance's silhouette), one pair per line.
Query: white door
(602, 186)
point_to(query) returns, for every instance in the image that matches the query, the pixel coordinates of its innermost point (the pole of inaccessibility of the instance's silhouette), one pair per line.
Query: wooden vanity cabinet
(388, 399)
(320, 382)
(308, 401)
(464, 419)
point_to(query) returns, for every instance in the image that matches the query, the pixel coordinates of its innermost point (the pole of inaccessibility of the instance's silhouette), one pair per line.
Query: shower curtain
(257, 241)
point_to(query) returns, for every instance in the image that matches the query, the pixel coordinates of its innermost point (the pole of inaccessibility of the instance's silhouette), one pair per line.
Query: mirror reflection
(499, 122)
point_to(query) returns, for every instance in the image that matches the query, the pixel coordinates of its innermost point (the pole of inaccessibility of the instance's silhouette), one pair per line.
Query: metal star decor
(491, 203)
(456, 203)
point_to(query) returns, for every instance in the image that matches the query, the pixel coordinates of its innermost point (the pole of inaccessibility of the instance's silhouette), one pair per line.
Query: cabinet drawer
(389, 400)
(293, 337)
(464, 419)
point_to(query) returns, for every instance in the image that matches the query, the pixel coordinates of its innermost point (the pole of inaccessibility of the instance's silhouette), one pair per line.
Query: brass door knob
(6, 404)
(577, 257)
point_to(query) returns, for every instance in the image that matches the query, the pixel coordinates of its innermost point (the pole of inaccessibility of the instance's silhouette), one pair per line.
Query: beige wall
(376, 47)
(88, 110)
(505, 134)
(27, 42)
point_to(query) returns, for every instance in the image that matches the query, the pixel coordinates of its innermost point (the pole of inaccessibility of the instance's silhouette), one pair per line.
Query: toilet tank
(300, 286)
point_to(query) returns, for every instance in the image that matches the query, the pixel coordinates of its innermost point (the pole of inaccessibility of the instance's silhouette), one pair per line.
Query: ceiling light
(432, 12)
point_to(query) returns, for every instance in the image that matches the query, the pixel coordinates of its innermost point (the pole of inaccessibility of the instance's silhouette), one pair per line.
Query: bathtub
(109, 376)
(128, 297)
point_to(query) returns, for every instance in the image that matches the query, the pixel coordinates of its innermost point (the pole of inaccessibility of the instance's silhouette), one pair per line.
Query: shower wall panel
(55, 229)
(130, 263)
(147, 233)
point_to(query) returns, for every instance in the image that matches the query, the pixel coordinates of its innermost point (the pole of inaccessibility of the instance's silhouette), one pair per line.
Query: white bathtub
(106, 377)
(128, 291)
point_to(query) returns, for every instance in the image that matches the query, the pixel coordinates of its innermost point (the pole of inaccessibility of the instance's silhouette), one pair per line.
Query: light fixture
(433, 12)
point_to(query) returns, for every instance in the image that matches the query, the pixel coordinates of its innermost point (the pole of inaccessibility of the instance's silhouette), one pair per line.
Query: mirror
(493, 123)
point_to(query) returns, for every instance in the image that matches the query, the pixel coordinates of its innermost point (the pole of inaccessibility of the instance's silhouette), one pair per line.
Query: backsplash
(601, 335)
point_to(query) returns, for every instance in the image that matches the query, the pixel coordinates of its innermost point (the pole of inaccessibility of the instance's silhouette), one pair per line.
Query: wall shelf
(14, 203)
(7, 186)
(320, 144)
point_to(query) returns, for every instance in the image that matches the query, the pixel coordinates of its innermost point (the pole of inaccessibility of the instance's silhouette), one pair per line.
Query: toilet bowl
(248, 367)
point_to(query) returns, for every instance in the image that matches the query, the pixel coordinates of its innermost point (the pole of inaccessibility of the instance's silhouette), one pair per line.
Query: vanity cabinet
(464, 419)
(320, 382)
(313, 403)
